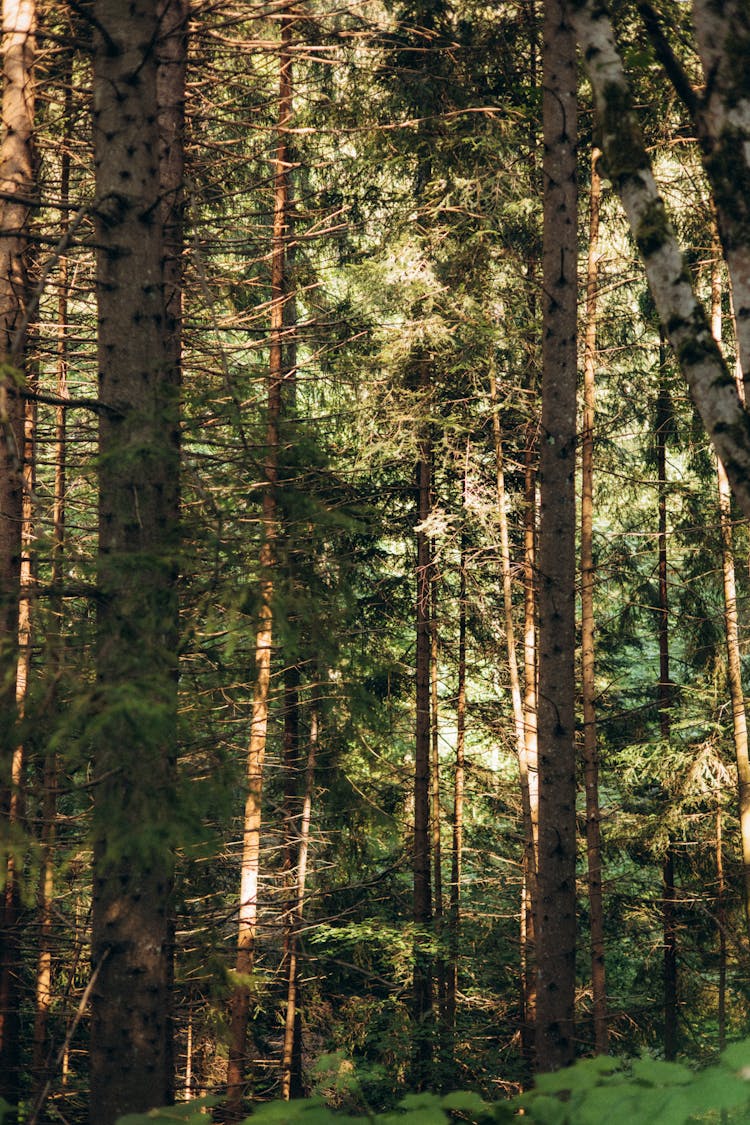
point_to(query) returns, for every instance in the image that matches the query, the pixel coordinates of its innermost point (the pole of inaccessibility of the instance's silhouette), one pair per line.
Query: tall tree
(588, 656)
(134, 711)
(17, 187)
(277, 372)
(556, 883)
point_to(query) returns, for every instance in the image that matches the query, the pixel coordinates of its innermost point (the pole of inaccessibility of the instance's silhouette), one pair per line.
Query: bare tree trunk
(291, 1076)
(732, 631)
(721, 926)
(663, 422)
(528, 802)
(49, 781)
(17, 160)
(682, 316)
(588, 678)
(422, 901)
(556, 877)
(454, 910)
(134, 718)
(248, 908)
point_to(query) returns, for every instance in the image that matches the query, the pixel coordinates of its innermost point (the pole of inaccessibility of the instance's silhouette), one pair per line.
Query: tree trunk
(422, 900)
(556, 879)
(683, 318)
(588, 678)
(291, 1069)
(732, 632)
(528, 803)
(662, 424)
(46, 891)
(248, 909)
(17, 160)
(134, 716)
(454, 910)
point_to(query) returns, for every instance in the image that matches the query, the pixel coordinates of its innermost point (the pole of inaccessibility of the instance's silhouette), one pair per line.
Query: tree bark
(682, 316)
(134, 715)
(732, 630)
(16, 179)
(556, 917)
(588, 667)
(248, 908)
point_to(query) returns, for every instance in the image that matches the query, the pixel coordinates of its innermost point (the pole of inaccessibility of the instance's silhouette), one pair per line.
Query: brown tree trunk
(663, 422)
(45, 896)
(556, 877)
(17, 161)
(134, 718)
(588, 678)
(422, 900)
(248, 908)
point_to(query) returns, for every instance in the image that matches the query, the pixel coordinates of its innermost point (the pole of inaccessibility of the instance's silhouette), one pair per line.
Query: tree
(556, 912)
(17, 187)
(133, 724)
(723, 128)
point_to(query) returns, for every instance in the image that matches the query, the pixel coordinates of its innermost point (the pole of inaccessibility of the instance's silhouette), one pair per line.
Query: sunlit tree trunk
(528, 802)
(16, 179)
(422, 896)
(49, 781)
(238, 1062)
(588, 679)
(732, 631)
(291, 1076)
(454, 907)
(556, 882)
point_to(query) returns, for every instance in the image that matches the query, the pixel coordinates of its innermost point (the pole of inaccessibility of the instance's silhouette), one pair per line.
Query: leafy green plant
(594, 1091)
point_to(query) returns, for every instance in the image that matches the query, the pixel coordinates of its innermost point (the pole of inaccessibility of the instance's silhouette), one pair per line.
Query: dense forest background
(286, 656)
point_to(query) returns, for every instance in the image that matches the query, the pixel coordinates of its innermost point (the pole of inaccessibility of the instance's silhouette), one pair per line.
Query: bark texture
(556, 918)
(133, 724)
(682, 316)
(16, 178)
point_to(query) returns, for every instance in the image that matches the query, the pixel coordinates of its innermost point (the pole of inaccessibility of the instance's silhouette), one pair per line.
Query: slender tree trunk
(454, 911)
(134, 718)
(49, 780)
(732, 632)
(435, 812)
(529, 897)
(588, 680)
(663, 422)
(422, 901)
(17, 161)
(530, 819)
(556, 879)
(721, 925)
(291, 1073)
(248, 909)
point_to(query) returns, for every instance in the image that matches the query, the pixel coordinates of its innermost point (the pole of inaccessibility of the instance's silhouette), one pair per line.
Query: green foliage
(597, 1090)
